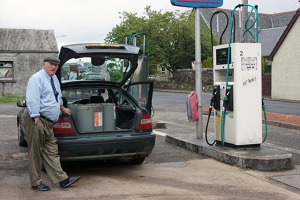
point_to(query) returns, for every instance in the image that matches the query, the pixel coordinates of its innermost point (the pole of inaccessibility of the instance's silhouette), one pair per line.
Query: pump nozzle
(213, 98)
(226, 98)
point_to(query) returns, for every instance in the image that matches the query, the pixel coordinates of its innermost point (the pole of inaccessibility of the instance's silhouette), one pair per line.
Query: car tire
(21, 137)
(137, 161)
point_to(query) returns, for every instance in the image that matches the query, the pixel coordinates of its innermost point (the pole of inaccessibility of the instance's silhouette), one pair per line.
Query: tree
(170, 37)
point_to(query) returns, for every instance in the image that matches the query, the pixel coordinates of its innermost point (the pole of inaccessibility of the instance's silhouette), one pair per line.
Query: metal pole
(144, 45)
(244, 17)
(198, 66)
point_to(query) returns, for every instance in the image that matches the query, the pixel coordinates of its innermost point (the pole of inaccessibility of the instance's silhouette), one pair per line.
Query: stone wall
(184, 79)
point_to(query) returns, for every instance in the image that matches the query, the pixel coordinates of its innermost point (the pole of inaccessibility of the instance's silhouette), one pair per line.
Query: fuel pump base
(252, 146)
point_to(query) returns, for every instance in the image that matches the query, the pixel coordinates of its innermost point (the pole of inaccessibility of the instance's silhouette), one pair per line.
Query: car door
(142, 91)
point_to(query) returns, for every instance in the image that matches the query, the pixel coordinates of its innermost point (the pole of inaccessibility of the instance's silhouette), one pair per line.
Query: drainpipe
(272, 23)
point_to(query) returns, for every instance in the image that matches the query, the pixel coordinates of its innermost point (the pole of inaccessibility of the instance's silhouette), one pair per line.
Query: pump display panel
(222, 55)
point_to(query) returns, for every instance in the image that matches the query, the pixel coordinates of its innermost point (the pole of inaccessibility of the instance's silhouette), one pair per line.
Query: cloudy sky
(75, 21)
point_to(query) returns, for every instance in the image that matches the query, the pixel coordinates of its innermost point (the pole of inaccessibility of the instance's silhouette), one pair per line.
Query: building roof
(275, 20)
(268, 39)
(283, 36)
(18, 40)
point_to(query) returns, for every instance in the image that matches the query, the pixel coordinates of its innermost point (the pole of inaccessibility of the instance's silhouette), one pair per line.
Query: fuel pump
(237, 99)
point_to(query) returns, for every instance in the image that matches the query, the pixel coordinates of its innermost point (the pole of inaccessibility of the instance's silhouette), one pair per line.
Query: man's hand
(35, 119)
(65, 110)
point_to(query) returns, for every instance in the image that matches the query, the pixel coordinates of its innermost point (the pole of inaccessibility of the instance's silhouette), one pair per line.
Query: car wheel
(21, 139)
(137, 161)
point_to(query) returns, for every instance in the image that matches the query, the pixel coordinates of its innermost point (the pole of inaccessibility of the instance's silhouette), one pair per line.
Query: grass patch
(9, 99)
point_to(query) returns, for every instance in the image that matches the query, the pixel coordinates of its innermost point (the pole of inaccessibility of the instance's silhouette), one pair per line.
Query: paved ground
(183, 133)
(200, 179)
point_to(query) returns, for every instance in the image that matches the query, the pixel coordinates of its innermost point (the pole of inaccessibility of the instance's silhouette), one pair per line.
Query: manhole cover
(291, 180)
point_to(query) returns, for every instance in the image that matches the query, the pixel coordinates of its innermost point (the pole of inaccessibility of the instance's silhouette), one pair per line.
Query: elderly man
(44, 103)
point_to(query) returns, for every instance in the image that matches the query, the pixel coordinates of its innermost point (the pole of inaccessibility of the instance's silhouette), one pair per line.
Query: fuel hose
(209, 114)
(266, 121)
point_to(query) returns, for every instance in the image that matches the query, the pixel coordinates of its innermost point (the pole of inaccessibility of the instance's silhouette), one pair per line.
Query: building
(21, 55)
(285, 63)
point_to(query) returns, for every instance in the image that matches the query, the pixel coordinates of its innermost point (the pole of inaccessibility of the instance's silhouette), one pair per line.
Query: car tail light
(63, 126)
(145, 123)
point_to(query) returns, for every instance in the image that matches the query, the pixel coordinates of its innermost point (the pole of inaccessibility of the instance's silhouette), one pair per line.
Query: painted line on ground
(159, 133)
(8, 116)
(283, 148)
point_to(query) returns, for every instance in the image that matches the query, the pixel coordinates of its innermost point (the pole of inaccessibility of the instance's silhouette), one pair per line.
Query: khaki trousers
(42, 150)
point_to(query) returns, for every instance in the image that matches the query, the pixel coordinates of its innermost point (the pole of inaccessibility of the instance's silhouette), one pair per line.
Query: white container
(92, 118)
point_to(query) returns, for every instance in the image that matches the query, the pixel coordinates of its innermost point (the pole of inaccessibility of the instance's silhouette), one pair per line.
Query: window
(6, 70)
(111, 69)
(163, 70)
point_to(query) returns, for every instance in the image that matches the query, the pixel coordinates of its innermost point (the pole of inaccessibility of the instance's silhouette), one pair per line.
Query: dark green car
(111, 117)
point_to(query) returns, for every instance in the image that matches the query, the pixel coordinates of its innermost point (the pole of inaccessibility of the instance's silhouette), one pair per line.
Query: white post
(198, 66)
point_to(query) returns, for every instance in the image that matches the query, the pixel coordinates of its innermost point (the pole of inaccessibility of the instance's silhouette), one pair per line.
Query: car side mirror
(21, 103)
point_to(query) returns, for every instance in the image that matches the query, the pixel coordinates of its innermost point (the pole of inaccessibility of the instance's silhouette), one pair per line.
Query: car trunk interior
(100, 112)
(102, 117)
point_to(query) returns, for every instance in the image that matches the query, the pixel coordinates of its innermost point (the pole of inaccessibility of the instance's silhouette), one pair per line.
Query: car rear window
(86, 68)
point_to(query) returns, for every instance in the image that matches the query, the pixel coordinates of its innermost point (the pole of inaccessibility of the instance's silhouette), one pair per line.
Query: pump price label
(249, 63)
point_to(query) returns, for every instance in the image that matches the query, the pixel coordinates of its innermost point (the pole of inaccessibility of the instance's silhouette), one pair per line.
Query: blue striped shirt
(40, 97)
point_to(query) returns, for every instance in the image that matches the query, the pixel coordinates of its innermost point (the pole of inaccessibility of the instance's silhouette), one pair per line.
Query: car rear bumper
(102, 148)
